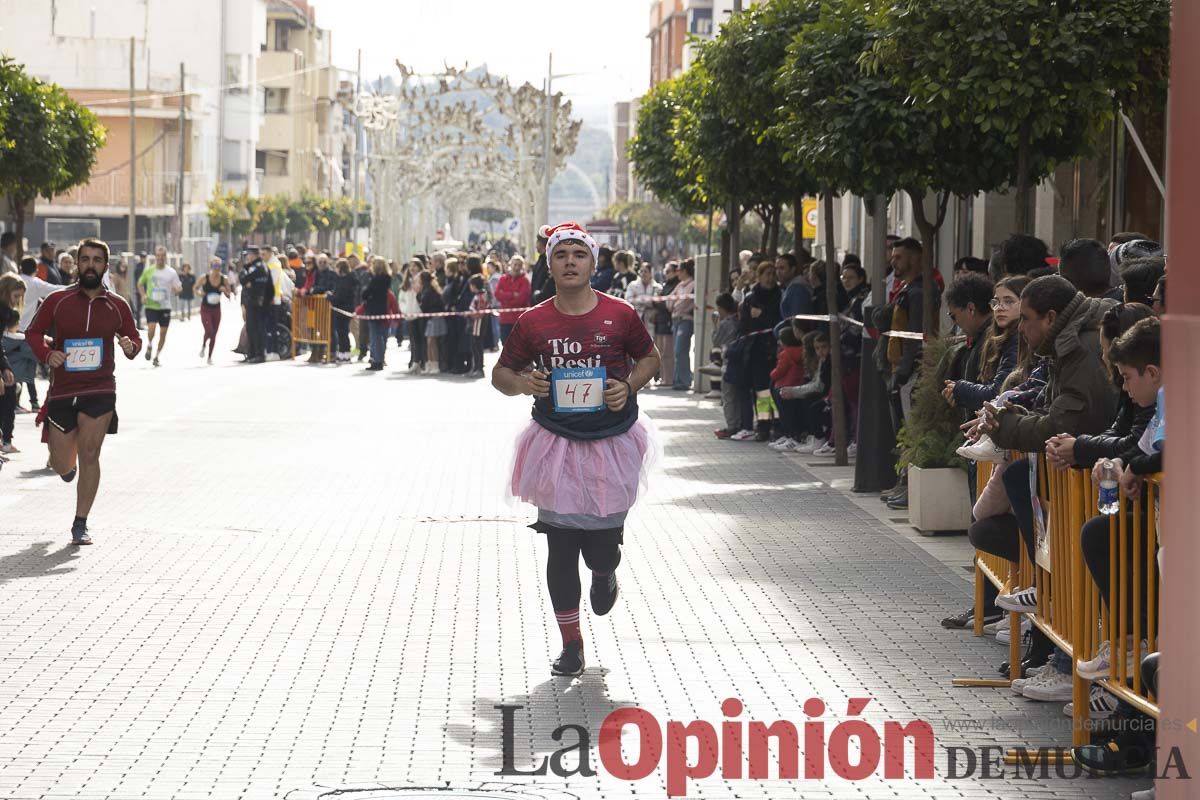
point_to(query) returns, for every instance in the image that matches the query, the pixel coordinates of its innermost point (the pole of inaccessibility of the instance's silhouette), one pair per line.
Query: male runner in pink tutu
(583, 356)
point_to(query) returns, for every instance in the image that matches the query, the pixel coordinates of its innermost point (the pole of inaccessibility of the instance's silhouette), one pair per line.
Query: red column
(1179, 691)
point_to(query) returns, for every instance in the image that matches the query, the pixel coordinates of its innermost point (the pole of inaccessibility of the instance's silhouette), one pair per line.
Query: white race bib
(578, 391)
(158, 294)
(83, 355)
(213, 298)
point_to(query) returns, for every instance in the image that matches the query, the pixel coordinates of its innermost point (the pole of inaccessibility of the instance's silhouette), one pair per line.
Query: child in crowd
(813, 421)
(480, 317)
(790, 371)
(724, 335)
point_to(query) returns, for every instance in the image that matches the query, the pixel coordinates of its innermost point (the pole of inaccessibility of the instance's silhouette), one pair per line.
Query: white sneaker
(1049, 687)
(272, 356)
(1097, 668)
(1004, 635)
(712, 394)
(8, 449)
(1144, 794)
(1101, 704)
(808, 444)
(742, 436)
(827, 449)
(992, 628)
(210, 361)
(781, 443)
(983, 450)
(852, 450)
(1031, 674)
(1021, 601)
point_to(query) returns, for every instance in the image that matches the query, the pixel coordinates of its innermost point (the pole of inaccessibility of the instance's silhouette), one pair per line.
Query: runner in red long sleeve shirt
(82, 321)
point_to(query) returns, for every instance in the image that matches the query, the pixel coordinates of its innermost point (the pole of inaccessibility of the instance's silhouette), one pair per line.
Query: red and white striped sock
(568, 625)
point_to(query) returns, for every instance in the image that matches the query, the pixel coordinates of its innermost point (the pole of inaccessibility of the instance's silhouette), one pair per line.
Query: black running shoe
(79, 534)
(1120, 754)
(569, 661)
(69, 476)
(967, 619)
(604, 593)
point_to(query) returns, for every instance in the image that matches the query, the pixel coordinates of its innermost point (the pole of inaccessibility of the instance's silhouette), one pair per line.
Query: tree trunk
(766, 231)
(773, 244)
(1024, 190)
(19, 217)
(730, 262)
(835, 336)
(798, 217)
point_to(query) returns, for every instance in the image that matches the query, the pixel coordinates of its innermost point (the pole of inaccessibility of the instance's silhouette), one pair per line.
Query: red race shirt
(611, 335)
(70, 314)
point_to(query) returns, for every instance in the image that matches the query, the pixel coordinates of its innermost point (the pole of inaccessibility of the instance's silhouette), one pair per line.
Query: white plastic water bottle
(1109, 481)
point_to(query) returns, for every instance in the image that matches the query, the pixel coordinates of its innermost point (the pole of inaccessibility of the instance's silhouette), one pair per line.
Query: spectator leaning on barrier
(1061, 326)
(968, 301)
(663, 330)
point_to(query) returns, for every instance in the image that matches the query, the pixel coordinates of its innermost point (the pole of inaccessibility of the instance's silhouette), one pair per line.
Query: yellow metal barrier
(312, 323)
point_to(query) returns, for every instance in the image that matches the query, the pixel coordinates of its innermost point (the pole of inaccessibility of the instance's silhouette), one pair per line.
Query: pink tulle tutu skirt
(600, 477)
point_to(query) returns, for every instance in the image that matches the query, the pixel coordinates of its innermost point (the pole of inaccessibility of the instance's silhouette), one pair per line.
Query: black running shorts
(63, 413)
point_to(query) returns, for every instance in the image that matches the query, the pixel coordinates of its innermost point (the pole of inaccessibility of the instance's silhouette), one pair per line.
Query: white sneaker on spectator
(992, 628)
(1004, 635)
(983, 450)
(1144, 794)
(1019, 684)
(712, 394)
(826, 449)
(1049, 687)
(852, 449)
(1097, 668)
(809, 444)
(1022, 601)
(782, 443)
(1101, 704)
(742, 436)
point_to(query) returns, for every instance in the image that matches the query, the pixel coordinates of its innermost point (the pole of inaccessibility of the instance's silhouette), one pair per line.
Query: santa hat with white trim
(571, 232)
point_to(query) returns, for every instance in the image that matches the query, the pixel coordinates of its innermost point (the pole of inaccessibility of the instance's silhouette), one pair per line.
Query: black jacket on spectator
(257, 288)
(1121, 438)
(970, 393)
(325, 281)
(852, 334)
(375, 296)
(761, 352)
(345, 292)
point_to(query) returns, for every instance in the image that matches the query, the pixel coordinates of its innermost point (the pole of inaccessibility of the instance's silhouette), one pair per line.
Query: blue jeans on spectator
(682, 329)
(379, 333)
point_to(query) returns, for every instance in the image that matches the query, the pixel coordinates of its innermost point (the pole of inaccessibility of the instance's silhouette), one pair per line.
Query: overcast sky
(606, 39)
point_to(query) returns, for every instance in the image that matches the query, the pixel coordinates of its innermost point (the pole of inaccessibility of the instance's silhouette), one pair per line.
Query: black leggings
(8, 413)
(601, 552)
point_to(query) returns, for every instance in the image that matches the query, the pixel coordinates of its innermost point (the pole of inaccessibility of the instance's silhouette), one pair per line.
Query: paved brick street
(306, 577)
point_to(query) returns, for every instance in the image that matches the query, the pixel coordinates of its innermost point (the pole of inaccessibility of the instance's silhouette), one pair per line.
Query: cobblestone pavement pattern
(306, 577)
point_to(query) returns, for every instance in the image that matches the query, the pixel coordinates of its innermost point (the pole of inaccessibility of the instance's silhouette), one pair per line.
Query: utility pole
(547, 143)
(354, 154)
(132, 235)
(221, 71)
(182, 153)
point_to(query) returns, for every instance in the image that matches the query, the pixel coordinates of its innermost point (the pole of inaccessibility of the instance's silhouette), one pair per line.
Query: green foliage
(732, 139)
(48, 142)
(930, 434)
(492, 216)
(272, 215)
(649, 219)
(653, 152)
(1041, 74)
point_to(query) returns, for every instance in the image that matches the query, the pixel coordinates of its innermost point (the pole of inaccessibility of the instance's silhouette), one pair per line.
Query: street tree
(48, 142)
(656, 160)
(1045, 75)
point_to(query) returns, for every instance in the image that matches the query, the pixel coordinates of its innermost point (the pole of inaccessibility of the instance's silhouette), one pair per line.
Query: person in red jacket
(512, 291)
(73, 334)
(790, 371)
